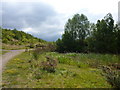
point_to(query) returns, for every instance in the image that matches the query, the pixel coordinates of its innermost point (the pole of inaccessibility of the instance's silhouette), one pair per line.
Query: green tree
(103, 37)
(90, 40)
(117, 39)
(59, 45)
(76, 30)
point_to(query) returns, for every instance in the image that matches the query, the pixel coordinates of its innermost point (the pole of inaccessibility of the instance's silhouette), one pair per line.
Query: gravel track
(8, 56)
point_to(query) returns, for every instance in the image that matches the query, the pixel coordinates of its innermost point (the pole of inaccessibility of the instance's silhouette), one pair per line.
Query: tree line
(82, 36)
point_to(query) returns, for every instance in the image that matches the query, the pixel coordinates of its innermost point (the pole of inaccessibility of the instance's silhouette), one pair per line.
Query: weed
(11, 72)
(82, 65)
(37, 74)
(18, 61)
(66, 60)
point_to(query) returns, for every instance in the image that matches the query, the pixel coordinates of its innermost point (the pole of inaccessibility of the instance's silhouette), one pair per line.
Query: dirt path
(7, 56)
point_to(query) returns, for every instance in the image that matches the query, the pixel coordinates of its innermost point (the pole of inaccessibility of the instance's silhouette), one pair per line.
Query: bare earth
(8, 56)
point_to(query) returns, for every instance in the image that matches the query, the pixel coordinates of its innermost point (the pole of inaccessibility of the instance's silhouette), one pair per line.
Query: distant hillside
(15, 37)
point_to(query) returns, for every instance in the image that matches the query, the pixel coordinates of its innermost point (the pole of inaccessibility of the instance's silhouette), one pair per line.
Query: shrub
(51, 47)
(36, 53)
(115, 66)
(31, 45)
(37, 74)
(113, 76)
(49, 65)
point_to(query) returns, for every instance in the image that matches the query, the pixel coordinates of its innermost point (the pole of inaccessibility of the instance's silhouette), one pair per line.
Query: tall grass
(91, 59)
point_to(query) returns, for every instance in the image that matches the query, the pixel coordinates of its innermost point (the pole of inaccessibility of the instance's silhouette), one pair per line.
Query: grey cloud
(39, 16)
(25, 14)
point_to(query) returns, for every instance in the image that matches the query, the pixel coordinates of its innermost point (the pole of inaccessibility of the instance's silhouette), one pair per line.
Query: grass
(12, 47)
(73, 71)
(3, 52)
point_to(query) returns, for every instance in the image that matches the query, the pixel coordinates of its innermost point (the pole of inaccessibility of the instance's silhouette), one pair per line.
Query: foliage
(103, 35)
(73, 39)
(82, 36)
(117, 33)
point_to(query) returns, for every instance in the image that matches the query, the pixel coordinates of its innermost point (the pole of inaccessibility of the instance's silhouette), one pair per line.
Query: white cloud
(70, 6)
(96, 6)
(29, 30)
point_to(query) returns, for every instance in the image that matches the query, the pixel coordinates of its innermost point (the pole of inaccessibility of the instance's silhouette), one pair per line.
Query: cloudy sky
(46, 18)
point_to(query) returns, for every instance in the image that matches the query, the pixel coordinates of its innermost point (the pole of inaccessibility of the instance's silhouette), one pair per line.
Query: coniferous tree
(103, 37)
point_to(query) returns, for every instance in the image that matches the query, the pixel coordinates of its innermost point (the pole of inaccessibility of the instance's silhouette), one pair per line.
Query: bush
(51, 47)
(31, 45)
(37, 74)
(36, 53)
(49, 65)
(113, 76)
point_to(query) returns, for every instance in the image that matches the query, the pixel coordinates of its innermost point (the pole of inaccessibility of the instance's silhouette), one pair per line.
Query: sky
(46, 19)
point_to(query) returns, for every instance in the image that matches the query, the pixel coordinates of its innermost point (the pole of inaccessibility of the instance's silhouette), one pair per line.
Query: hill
(19, 38)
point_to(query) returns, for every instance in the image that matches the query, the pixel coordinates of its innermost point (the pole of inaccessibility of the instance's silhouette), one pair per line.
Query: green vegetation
(3, 52)
(113, 74)
(13, 39)
(82, 36)
(103, 37)
(12, 47)
(72, 70)
(89, 57)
